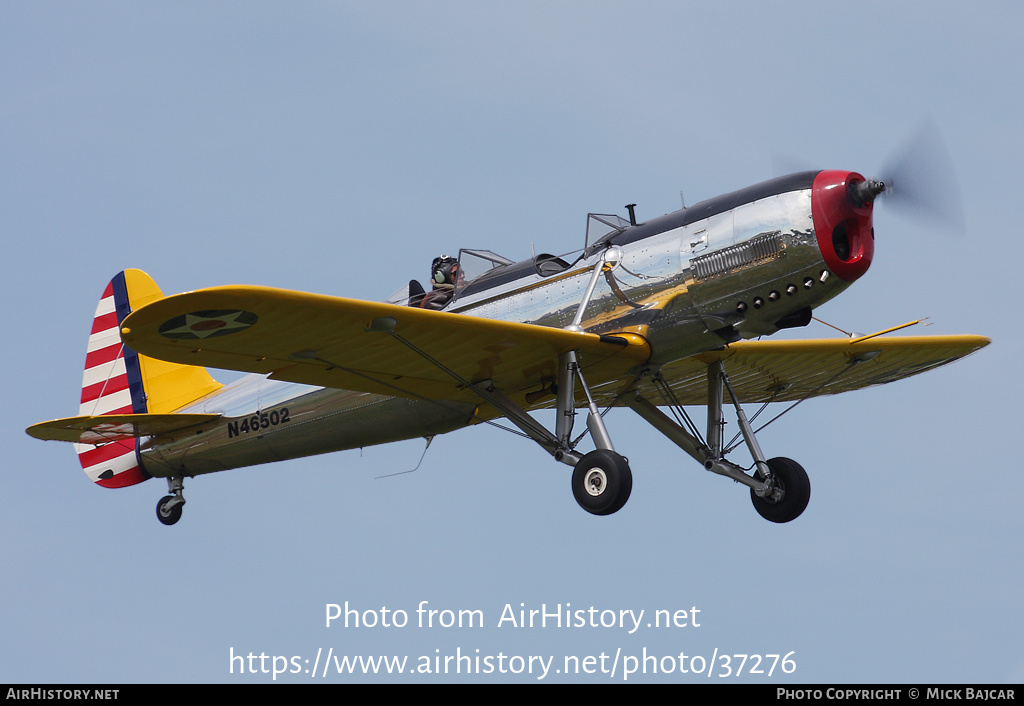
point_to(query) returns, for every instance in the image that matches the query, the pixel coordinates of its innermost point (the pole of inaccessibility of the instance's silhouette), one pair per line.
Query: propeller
(920, 181)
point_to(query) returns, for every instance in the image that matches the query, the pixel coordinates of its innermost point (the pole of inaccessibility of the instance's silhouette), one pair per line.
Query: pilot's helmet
(443, 270)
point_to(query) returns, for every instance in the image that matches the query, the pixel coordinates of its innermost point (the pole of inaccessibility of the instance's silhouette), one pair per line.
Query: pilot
(444, 275)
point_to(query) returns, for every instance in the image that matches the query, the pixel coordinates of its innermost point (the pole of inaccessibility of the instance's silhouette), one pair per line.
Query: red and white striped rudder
(111, 384)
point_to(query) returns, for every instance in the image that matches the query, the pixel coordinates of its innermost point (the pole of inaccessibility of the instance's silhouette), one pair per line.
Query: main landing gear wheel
(791, 491)
(169, 513)
(601, 482)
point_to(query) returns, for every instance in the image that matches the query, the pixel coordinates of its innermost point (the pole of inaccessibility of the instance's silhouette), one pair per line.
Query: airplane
(654, 316)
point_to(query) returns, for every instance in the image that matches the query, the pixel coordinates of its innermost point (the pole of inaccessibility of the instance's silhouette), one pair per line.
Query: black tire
(602, 482)
(168, 517)
(792, 479)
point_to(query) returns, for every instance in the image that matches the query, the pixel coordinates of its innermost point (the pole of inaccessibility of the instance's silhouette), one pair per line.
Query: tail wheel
(602, 482)
(168, 513)
(792, 491)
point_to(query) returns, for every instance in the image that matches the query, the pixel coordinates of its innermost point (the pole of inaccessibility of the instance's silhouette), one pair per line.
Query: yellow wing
(365, 346)
(790, 370)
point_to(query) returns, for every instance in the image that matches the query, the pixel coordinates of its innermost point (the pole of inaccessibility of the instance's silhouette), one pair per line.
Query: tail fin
(119, 381)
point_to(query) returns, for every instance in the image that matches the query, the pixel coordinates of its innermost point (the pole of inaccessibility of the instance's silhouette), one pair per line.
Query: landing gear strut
(601, 480)
(779, 488)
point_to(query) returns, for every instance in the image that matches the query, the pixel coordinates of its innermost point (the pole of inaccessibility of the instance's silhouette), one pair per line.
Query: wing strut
(779, 487)
(849, 365)
(558, 444)
(710, 453)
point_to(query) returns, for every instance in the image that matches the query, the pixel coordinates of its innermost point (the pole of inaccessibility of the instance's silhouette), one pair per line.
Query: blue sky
(337, 147)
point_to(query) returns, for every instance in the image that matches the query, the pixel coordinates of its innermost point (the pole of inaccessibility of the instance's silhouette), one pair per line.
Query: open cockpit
(481, 270)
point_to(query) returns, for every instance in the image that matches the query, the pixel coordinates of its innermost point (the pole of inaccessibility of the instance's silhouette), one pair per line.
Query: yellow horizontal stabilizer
(791, 370)
(115, 427)
(365, 346)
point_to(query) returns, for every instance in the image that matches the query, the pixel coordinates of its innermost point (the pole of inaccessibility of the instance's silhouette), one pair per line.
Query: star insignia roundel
(206, 324)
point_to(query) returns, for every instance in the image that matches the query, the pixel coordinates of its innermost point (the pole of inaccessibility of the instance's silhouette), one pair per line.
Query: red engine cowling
(842, 223)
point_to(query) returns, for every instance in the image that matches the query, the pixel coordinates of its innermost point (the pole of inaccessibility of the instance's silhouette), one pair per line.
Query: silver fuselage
(742, 265)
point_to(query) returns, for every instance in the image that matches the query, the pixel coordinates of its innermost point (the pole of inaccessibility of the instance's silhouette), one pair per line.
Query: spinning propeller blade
(920, 180)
